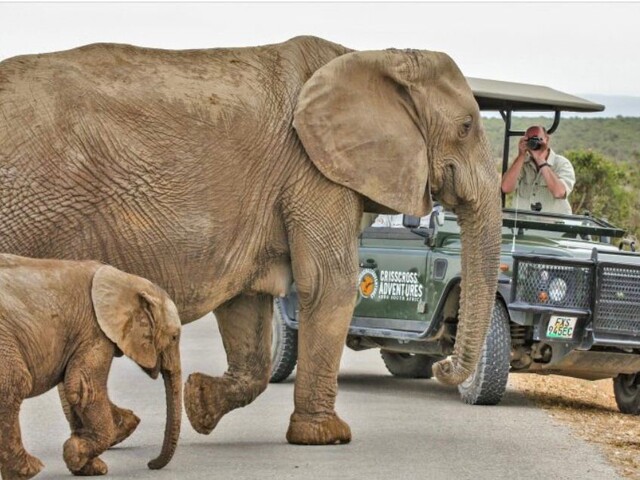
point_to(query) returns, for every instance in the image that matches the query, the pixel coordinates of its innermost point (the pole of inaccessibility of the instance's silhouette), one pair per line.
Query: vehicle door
(394, 265)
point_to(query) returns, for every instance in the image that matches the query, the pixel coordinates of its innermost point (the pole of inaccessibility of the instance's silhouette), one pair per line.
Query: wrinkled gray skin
(222, 175)
(62, 322)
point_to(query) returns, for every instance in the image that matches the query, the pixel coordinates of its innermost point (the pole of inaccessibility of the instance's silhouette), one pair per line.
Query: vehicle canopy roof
(509, 97)
(523, 97)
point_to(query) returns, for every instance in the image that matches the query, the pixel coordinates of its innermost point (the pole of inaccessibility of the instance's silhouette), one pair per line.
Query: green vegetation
(605, 153)
(600, 184)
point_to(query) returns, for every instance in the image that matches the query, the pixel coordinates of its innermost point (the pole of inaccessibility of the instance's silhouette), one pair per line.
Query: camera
(534, 143)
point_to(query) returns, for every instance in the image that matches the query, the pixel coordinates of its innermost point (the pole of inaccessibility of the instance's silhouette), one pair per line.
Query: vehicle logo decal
(368, 283)
(390, 285)
(398, 285)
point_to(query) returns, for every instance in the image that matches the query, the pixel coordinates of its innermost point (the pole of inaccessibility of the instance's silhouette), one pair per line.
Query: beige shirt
(532, 186)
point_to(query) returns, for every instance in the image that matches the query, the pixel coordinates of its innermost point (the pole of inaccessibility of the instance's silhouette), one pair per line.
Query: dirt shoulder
(589, 408)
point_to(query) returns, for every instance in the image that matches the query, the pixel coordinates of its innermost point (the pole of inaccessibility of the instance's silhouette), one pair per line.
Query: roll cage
(510, 97)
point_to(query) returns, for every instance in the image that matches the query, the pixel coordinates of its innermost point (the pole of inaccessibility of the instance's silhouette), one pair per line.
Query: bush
(602, 187)
(605, 153)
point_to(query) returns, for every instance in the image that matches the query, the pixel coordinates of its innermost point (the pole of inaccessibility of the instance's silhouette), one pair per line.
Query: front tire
(284, 345)
(408, 365)
(487, 384)
(626, 388)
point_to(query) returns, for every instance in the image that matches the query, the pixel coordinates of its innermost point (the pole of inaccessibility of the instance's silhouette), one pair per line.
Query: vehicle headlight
(557, 290)
(561, 282)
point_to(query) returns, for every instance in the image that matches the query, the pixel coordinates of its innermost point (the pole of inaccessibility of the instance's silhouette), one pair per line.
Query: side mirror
(437, 218)
(410, 221)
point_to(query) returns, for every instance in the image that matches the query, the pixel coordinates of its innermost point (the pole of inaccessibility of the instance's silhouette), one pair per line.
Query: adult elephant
(223, 174)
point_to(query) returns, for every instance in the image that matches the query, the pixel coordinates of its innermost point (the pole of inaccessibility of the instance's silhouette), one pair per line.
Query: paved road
(402, 429)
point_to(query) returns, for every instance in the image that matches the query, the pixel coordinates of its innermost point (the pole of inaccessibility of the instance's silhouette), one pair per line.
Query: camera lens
(534, 143)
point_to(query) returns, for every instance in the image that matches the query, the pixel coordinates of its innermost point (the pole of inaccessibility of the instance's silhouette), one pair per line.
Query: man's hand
(522, 146)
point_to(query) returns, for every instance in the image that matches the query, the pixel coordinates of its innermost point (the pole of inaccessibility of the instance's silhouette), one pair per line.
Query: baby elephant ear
(123, 305)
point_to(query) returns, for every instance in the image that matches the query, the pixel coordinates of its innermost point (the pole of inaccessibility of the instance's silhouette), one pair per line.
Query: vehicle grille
(554, 285)
(618, 307)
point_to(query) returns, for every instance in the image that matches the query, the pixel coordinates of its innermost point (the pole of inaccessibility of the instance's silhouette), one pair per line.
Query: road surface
(402, 429)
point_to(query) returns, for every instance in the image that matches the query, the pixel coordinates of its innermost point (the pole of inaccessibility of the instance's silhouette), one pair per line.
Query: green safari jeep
(567, 303)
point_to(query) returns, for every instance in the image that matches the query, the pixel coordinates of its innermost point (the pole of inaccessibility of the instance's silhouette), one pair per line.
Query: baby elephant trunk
(173, 389)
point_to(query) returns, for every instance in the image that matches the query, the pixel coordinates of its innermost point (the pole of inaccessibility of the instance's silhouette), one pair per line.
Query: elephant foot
(93, 467)
(204, 403)
(126, 422)
(75, 453)
(318, 430)
(28, 468)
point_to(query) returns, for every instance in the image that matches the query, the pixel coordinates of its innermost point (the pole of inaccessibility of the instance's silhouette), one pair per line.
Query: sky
(579, 48)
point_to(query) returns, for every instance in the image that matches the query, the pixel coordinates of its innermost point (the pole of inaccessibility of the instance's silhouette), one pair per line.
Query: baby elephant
(63, 321)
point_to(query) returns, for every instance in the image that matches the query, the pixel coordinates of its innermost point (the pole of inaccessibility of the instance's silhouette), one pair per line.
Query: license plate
(561, 327)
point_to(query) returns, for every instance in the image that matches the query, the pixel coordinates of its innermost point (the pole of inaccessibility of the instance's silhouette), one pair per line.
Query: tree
(602, 187)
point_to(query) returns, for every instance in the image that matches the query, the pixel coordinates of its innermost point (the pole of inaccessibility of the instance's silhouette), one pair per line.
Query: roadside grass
(589, 408)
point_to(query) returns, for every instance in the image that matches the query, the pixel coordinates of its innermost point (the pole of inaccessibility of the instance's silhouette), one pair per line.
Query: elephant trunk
(173, 390)
(480, 227)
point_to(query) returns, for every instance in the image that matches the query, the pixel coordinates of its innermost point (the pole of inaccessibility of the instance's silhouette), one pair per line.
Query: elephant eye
(465, 127)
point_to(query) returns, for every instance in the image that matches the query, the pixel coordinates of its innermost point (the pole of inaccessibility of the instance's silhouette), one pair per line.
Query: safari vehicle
(568, 299)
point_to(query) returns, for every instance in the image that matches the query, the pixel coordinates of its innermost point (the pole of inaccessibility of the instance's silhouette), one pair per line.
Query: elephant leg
(321, 337)
(325, 269)
(15, 462)
(245, 327)
(125, 420)
(81, 450)
(70, 415)
(85, 389)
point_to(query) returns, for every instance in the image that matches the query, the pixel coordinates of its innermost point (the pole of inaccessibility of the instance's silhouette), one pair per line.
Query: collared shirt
(532, 186)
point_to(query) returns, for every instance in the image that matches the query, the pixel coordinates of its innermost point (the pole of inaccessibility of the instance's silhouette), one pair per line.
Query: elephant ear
(124, 306)
(360, 126)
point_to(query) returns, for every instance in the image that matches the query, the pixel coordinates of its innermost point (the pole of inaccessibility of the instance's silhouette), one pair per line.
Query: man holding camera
(543, 178)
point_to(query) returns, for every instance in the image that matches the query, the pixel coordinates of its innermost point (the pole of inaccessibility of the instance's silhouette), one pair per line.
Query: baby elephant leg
(15, 462)
(245, 326)
(81, 450)
(85, 390)
(125, 420)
